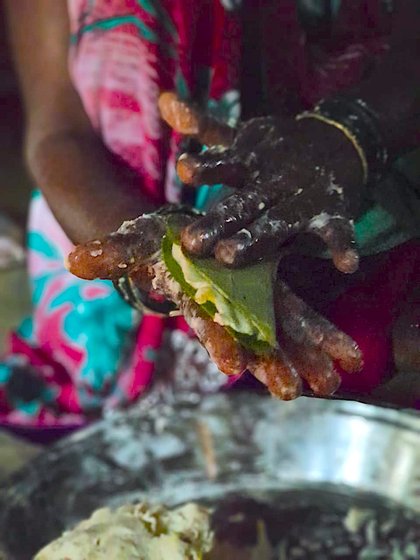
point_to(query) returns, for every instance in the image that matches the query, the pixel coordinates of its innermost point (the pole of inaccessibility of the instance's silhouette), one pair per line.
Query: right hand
(290, 177)
(308, 343)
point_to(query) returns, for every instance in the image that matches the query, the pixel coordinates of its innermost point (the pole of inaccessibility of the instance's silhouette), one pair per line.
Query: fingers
(187, 120)
(254, 131)
(341, 347)
(179, 115)
(223, 349)
(338, 234)
(225, 219)
(210, 168)
(118, 253)
(304, 326)
(225, 352)
(261, 238)
(315, 367)
(108, 259)
(277, 374)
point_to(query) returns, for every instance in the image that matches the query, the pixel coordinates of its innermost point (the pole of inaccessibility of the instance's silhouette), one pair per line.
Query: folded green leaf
(240, 299)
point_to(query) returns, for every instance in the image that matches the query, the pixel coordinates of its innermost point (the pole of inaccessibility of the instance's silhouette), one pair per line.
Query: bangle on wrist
(137, 297)
(360, 125)
(140, 300)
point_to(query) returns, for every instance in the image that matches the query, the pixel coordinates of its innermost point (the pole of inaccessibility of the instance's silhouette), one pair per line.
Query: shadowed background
(14, 187)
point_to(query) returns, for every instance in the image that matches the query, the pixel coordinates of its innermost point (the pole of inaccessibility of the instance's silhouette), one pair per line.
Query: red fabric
(368, 310)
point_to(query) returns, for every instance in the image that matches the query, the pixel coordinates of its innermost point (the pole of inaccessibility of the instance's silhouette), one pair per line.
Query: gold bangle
(346, 132)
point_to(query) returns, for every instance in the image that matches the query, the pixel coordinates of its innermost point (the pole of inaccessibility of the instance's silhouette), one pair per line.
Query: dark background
(14, 181)
(14, 190)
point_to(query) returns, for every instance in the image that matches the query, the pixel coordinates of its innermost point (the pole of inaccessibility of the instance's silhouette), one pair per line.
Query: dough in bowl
(136, 532)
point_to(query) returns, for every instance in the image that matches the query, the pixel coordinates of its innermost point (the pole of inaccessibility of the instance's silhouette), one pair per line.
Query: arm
(88, 189)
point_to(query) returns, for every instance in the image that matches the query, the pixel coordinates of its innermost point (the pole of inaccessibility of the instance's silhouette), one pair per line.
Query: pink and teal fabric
(84, 349)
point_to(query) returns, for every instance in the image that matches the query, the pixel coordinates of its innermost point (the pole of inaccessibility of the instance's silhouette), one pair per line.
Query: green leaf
(173, 266)
(249, 289)
(252, 343)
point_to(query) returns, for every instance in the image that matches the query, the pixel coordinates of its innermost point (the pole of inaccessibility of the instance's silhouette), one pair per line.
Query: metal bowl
(238, 443)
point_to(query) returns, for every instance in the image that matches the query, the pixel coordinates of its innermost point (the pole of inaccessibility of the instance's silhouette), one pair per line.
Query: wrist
(360, 126)
(335, 154)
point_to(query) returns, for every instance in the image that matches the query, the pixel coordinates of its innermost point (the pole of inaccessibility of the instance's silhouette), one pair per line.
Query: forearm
(90, 191)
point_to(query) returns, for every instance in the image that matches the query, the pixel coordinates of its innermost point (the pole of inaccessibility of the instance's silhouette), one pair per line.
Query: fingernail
(285, 392)
(196, 241)
(233, 252)
(187, 167)
(226, 252)
(355, 360)
(166, 102)
(178, 114)
(347, 262)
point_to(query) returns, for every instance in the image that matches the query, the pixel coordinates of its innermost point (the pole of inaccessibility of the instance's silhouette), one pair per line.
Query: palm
(308, 343)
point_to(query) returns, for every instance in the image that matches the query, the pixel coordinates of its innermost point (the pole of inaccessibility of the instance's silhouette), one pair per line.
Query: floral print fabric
(84, 350)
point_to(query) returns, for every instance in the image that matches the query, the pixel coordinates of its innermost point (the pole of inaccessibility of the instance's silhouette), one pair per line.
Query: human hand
(308, 344)
(291, 177)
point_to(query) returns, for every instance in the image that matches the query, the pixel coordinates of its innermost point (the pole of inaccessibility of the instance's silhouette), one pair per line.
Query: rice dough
(136, 532)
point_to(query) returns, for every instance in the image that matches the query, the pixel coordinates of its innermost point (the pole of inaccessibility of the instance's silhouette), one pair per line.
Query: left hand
(290, 177)
(308, 344)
